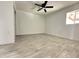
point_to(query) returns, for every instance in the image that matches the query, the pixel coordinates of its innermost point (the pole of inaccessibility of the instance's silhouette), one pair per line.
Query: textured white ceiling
(30, 6)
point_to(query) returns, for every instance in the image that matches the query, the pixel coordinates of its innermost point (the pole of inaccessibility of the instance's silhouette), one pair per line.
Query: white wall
(76, 32)
(28, 23)
(6, 23)
(56, 24)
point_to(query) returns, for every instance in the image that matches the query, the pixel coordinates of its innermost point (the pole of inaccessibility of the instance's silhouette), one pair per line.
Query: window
(72, 17)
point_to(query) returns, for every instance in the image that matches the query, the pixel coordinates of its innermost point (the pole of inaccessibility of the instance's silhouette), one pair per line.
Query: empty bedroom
(39, 29)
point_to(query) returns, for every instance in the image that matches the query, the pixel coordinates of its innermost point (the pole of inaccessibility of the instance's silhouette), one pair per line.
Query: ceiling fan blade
(37, 4)
(39, 9)
(49, 7)
(45, 10)
(44, 4)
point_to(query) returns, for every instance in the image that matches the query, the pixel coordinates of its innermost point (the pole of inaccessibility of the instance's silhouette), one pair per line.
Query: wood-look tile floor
(40, 46)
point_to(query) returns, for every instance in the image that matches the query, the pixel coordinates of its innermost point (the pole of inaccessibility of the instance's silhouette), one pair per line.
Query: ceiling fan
(43, 6)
